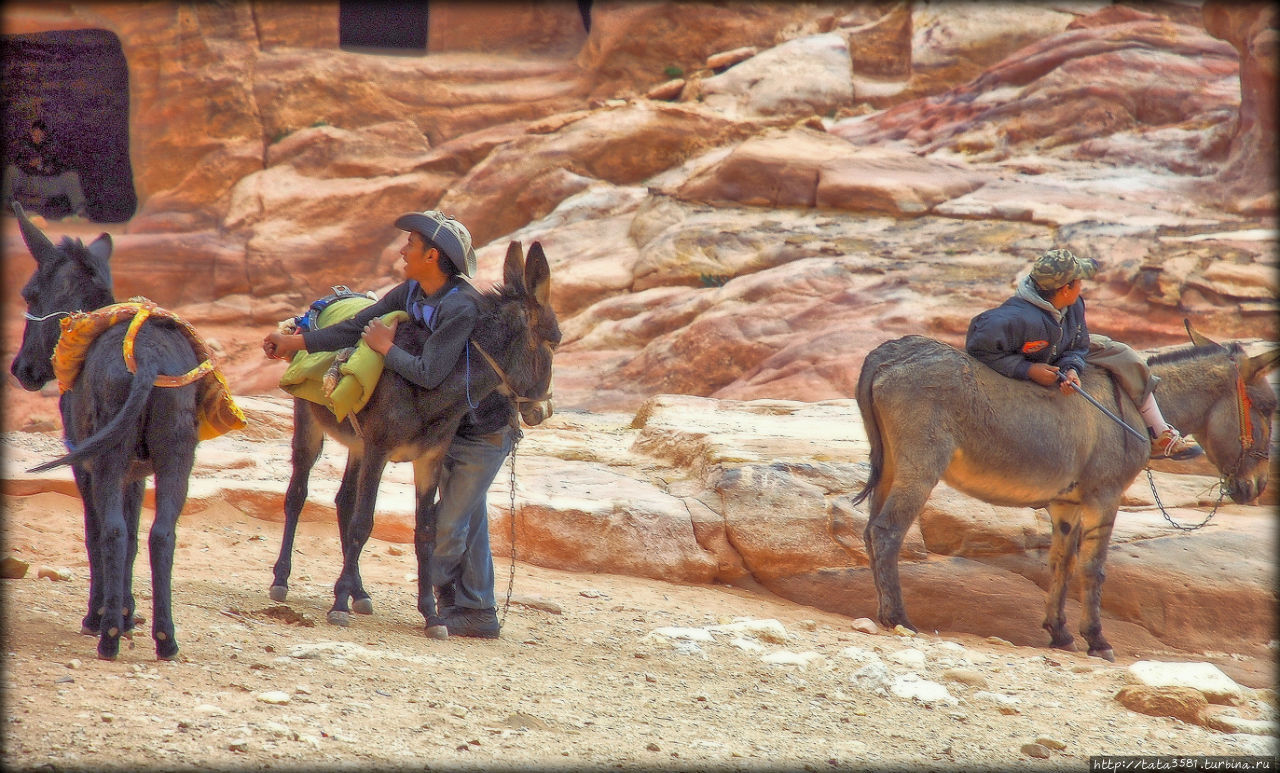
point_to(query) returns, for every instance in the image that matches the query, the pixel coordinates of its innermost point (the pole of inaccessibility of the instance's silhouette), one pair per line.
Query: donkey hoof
(1108, 654)
(437, 632)
(278, 592)
(1066, 646)
(87, 631)
(362, 606)
(339, 618)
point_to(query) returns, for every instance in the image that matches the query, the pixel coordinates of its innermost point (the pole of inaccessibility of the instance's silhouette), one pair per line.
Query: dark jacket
(453, 312)
(1018, 333)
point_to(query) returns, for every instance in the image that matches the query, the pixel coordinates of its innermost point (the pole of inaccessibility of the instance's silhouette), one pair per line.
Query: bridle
(1244, 415)
(33, 318)
(505, 386)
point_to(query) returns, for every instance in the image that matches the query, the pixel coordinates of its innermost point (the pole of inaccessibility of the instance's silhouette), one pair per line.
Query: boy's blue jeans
(462, 555)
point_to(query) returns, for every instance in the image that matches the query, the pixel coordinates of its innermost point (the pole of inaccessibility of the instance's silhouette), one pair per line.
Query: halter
(505, 387)
(1244, 409)
(1244, 414)
(31, 317)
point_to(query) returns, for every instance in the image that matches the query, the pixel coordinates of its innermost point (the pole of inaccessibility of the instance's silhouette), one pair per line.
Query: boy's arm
(998, 344)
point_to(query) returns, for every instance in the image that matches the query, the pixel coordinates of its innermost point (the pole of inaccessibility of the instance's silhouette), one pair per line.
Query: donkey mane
(1192, 352)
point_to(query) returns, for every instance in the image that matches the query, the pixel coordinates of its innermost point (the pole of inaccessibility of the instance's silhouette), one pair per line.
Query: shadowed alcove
(77, 82)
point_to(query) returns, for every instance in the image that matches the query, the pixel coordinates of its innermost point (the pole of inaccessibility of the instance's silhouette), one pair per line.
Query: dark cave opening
(77, 83)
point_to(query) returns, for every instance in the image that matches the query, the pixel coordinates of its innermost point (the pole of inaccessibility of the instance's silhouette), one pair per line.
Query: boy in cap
(437, 255)
(1040, 335)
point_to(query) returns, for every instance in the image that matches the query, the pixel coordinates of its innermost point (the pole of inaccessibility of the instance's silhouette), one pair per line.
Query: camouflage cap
(1056, 268)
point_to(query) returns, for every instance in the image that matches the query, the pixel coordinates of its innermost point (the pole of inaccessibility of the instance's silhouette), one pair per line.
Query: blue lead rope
(470, 402)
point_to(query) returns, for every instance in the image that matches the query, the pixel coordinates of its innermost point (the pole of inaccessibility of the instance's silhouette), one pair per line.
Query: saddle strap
(190, 377)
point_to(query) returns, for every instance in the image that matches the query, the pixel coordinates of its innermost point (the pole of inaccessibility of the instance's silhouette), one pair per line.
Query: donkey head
(1238, 439)
(69, 277)
(530, 282)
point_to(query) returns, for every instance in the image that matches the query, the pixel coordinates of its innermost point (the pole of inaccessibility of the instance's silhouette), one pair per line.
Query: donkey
(932, 412)
(118, 429)
(511, 350)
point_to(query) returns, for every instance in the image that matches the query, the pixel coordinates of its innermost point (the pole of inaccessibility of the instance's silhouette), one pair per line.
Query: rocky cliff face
(751, 234)
(736, 209)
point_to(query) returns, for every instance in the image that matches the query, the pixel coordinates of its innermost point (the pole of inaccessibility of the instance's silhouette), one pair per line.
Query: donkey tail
(109, 436)
(866, 406)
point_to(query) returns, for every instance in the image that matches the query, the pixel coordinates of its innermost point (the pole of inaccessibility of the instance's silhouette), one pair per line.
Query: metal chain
(1222, 494)
(511, 575)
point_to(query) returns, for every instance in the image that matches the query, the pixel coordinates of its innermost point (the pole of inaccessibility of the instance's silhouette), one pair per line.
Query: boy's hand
(1067, 380)
(379, 336)
(1044, 375)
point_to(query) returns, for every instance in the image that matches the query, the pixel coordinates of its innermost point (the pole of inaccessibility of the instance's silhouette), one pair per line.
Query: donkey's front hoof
(1108, 654)
(1067, 646)
(336, 617)
(167, 650)
(437, 632)
(108, 647)
(86, 630)
(362, 606)
(278, 592)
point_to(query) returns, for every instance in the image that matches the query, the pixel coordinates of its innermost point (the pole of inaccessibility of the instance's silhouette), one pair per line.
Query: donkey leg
(1097, 525)
(171, 496)
(308, 440)
(361, 603)
(426, 475)
(1063, 548)
(92, 621)
(886, 529)
(133, 492)
(357, 534)
(108, 501)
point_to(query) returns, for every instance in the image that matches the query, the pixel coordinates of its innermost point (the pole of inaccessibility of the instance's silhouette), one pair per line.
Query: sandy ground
(588, 673)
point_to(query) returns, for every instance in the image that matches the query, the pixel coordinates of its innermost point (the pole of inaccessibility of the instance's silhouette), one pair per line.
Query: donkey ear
(513, 267)
(101, 247)
(1259, 364)
(1196, 338)
(537, 274)
(98, 262)
(37, 242)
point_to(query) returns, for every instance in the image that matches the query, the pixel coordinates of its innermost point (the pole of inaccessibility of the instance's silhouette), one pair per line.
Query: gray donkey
(118, 428)
(934, 413)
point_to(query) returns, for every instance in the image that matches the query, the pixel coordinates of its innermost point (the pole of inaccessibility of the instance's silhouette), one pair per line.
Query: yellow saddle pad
(304, 377)
(218, 412)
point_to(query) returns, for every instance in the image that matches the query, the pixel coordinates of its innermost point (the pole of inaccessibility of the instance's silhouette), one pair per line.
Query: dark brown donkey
(403, 422)
(118, 428)
(934, 413)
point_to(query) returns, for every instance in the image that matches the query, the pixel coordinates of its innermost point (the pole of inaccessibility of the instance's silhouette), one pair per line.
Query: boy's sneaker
(476, 623)
(1170, 444)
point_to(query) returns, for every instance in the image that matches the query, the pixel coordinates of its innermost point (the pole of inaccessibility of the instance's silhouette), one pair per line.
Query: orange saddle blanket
(218, 412)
